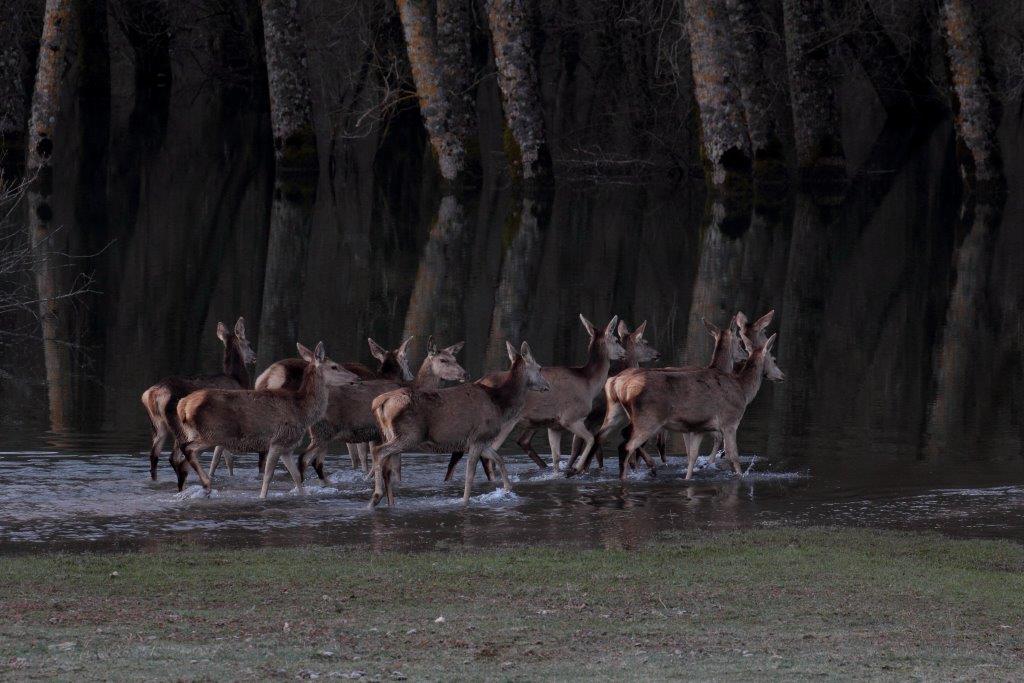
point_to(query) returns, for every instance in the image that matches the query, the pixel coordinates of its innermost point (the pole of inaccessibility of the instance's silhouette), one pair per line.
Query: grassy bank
(794, 603)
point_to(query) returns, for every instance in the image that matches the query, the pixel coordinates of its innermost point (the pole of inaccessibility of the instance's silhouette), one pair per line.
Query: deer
(393, 365)
(468, 418)
(271, 420)
(567, 405)
(691, 401)
(161, 399)
(727, 352)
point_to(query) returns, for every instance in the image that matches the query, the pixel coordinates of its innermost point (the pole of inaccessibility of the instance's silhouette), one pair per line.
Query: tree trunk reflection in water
(519, 269)
(436, 305)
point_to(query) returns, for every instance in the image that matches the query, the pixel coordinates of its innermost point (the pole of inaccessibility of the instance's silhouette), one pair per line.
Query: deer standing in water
(728, 351)
(467, 417)
(161, 399)
(287, 373)
(271, 420)
(570, 400)
(692, 402)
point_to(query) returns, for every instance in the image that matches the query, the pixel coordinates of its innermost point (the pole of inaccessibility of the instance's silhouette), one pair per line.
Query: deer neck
(391, 369)
(598, 363)
(312, 394)
(425, 379)
(234, 366)
(751, 377)
(510, 395)
(721, 357)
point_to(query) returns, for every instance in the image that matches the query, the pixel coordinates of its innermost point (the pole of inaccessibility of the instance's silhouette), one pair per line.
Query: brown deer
(468, 417)
(727, 352)
(693, 402)
(392, 365)
(161, 399)
(572, 395)
(271, 420)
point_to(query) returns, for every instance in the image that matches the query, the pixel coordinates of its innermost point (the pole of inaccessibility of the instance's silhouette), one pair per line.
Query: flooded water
(898, 312)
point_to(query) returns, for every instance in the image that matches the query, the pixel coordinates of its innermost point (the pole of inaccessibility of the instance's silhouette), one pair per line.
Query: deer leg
(651, 465)
(353, 454)
(192, 455)
(178, 465)
(268, 469)
(315, 453)
(525, 442)
(381, 453)
(160, 433)
(691, 440)
(732, 450)
(555, 442)
(229, 459)
(579, 429)
(716, 449)
(615, 416)
(474, 456)
(262, 462)
(640, 434)
(215, 460)
(660, 445)
(452, 462)
(363, 449)
(492, 456)
(289, 464)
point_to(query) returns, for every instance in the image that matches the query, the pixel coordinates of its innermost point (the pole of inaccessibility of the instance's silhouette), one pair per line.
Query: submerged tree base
(788, 603)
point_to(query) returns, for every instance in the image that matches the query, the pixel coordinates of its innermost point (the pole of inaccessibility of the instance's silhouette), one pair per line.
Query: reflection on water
(898, 310)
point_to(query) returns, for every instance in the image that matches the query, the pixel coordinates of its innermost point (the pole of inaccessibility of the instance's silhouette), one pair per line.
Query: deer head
(441, 362)
(728, 337)
(397, 357)
(333, 374)
(605, 338)
(535, 381)
(636, 346)
(237, 340)
(754, 337)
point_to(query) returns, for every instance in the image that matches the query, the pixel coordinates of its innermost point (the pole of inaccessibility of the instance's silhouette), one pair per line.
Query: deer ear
(455, 348)
(320, 352)
(740, 320)
(588, 326)
(623, 330)
(611, 325)
(524, 349)
(222, 332)
(711, 328)
(431, 346)
(376, 350)
(770, 343)
(764, 320)
(240, 328)
(638, 333)
(511, 351)
(305, 353)
(404, 347)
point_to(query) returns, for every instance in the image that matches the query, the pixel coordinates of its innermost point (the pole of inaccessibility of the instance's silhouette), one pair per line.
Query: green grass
(737, 606)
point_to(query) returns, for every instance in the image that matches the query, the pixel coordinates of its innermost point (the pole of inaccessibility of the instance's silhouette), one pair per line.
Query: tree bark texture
(13, 115)
(749, 46)
(512, 39)
(291, 108)
(458, 72)
(421, 39)
(723, 133)
(819, 148)
(973, 105)
(146, 25)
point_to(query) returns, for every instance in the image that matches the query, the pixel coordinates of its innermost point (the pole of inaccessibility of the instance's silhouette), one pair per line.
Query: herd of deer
(388, 411)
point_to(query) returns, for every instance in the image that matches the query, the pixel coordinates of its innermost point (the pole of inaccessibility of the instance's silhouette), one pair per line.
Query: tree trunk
(974, 107)
(12, 94)
(458, 74)
(512, 37)
(146, 25)
(723, 134)
(819, 147)
(291, 102)
(436, 101)
(748, 43)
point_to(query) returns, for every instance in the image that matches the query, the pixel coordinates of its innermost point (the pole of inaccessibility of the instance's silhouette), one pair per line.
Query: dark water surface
(898, 312)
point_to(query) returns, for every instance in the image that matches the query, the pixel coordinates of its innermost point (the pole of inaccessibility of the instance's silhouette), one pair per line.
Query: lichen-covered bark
(291, 108)
(723, 133)
(12, 96)
(435, 100)
(973, 105)
(58, 26)
(512, 39)
(819, 148)
(458, 72)
(748, 43)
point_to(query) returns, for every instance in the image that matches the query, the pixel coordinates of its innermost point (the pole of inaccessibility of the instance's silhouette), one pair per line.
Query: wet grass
(785, 603)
